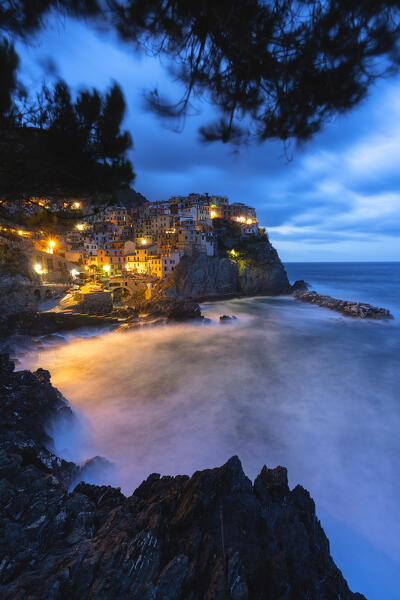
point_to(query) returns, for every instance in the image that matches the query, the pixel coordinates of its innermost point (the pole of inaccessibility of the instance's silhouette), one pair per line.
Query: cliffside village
(148, 239)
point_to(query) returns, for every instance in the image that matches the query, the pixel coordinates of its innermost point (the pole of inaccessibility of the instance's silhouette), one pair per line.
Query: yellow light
(241, 219)
(49, 250)
(80, 226)
(76, 205)
(144, 242)
(233, 252)
(38, 268)
(249, 221)
(20, 232)
(107, 268)
(213, 214)
(74, 273)
(86, 267)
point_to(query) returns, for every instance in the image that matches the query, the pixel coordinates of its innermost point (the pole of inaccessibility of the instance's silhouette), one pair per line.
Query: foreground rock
(37, 324)
(164, 306)
(211, 536)
(347, 308)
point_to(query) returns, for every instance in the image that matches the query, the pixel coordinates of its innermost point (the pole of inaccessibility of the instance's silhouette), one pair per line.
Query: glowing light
(86, 267)
(50, 248)
(38, 269)
(107, 268)
(80, 226)
(74, 273)
(249, 221)
(144, 242)
(20, 232)
(76, 205)
(233, 252)
(241, 220)
(213, 214)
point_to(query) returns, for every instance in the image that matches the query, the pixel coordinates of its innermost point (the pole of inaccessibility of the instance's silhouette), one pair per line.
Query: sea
(286, 383)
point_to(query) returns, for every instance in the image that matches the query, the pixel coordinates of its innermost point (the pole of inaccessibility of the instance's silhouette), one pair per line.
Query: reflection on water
(287, 383)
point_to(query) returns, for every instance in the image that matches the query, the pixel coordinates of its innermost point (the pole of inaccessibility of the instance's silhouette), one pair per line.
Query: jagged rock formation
(255, 270)
(17, 283)
(170, 308)
(362, 310)
(16, 294)
(211, 536)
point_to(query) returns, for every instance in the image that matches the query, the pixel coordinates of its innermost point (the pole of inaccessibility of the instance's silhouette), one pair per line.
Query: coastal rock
(351, 309)
(300, 286)
(17, 293)
(204, 277)
(171, 308)
(211, 536)
(227, 318)
(48, 323)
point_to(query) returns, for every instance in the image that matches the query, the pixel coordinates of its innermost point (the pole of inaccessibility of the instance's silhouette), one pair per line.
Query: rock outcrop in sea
(361, 310)
(241, 267)
(204, 277)
(212, 536)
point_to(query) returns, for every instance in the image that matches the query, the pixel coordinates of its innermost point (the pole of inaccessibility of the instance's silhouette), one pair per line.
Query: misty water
(287, 384)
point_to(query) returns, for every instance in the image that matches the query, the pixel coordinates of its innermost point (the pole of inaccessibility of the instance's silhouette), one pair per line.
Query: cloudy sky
(335, 198)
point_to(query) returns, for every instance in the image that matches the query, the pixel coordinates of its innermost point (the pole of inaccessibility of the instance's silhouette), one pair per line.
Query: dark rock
(227, 318)
(171, 308)
(204, 277)
(300, 286)
(48, 323)
(210, 536)
(124, 313)
(6, 365)
(347, 308)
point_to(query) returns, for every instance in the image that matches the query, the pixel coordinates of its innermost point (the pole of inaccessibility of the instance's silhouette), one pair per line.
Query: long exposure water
(286, 383)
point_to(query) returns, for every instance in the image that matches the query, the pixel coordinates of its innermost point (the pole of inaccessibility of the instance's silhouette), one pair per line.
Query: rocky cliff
(211, 536)
(241, 267)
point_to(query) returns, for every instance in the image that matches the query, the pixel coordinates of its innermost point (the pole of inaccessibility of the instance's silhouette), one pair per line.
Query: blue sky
(336, 197)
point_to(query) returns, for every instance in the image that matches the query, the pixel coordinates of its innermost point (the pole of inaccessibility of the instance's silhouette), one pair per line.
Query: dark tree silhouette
(274, 68)
(57, 146)
(8, 69)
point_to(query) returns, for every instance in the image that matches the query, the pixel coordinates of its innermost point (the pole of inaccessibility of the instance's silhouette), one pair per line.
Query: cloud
(337, 193)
